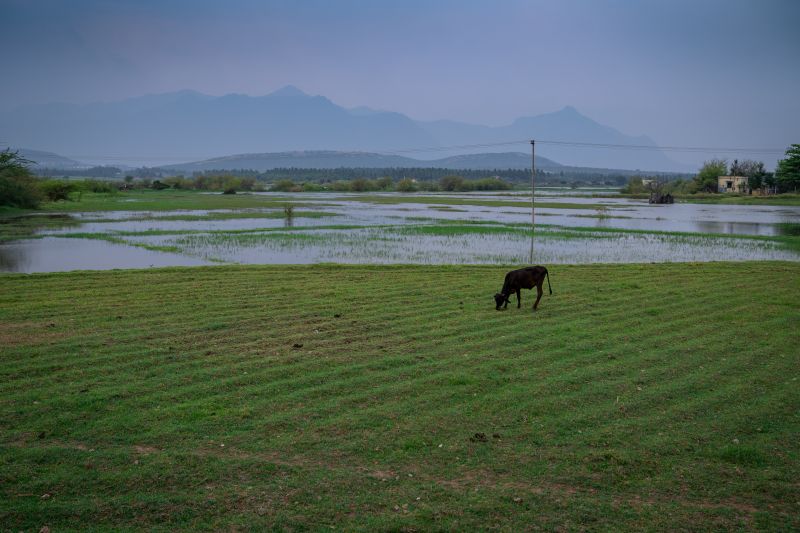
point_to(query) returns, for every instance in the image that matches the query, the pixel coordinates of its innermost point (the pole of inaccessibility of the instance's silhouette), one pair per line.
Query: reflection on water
(50, 254)
(219, 238)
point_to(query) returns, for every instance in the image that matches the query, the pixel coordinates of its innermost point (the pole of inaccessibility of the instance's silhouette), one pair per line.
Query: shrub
(634, 186)
(359, 185)
(313, 187)
(18, 187)
(179, 182)
(98, 186)
(488, 184)
(706, 179)
(384, 183)
(340, 186)
(451, 183)
(406, 185)
(56, 190)
(285, 185)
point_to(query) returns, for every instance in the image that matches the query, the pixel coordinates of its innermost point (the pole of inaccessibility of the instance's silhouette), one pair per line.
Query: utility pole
(533, 190)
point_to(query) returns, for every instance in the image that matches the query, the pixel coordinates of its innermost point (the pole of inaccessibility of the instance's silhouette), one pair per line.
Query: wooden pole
(533, 191)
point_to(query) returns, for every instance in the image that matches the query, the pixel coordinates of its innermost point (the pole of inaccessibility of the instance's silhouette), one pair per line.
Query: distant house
(646, 182)
(733, 184)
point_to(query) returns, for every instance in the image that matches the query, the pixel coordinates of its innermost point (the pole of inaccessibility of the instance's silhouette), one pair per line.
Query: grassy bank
(168, 200)
(637, 397)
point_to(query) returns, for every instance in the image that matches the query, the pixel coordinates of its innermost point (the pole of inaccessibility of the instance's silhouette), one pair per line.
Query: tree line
(785, 179)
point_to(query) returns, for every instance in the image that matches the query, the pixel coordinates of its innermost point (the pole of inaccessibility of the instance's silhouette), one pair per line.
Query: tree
(755, 172)
(451, 183)
(18, 186)
(384, 183)
(359, 185)
(284, 185)
(634, 186)
(56, 190)
(706, 179)
(787, 174)
(406, 185)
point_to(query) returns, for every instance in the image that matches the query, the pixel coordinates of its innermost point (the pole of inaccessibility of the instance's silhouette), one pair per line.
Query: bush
(313, 187)
(18, 187)
(634, 186)
(488, 184)
(98, 186)
(451, 183)
(285, 185)
(359, 185)
(428, 186)
(179, 182)
(706, 179)
(19, 191)
(406, 185)
(56, 190)
(340, 186)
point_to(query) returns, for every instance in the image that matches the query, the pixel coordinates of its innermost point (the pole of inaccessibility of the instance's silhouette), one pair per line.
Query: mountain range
(41, 159)
(189, 126)
(335, 159)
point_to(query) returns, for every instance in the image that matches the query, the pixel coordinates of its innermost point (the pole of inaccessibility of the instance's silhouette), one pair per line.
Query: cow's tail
(546, 273)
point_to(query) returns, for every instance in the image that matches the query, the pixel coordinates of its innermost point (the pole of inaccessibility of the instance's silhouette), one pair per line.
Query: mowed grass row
(638, 396)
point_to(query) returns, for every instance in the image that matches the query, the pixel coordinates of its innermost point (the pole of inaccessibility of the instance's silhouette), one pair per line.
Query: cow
(524, 278)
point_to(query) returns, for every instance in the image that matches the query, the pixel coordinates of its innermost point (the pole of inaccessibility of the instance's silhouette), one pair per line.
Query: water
(394, 245)
(50, 254)
(241, 240)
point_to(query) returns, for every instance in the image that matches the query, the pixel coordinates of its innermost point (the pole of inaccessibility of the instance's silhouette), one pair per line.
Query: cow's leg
(539, 293)
(519, 299)
(505, 305)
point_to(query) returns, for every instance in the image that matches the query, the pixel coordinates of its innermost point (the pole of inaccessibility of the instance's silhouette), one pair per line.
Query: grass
(742, 199)
(168, 200)
(638, 397)
(475, 200)
(789, 199)
(235, 215)
(25, 226)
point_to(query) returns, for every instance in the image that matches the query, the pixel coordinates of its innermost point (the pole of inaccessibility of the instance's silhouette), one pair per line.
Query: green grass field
(646, 397)
(169, 200)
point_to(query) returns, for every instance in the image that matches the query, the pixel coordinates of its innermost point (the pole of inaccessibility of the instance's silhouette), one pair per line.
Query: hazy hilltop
(41, 159)
(187, 125)
(333, 159)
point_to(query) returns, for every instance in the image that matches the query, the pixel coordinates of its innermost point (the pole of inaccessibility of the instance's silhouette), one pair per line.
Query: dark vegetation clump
(789, 228)
(449, 183)
(18, 186)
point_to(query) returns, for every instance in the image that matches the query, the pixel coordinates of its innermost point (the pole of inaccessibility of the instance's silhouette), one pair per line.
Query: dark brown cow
(524, 278)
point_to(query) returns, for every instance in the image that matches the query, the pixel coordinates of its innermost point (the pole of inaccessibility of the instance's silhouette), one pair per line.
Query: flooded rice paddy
(392, 228)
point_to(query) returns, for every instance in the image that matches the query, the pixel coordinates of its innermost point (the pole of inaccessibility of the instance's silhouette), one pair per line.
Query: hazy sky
(694, 72)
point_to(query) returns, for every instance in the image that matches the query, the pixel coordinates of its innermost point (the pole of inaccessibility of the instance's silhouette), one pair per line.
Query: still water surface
(379, 236)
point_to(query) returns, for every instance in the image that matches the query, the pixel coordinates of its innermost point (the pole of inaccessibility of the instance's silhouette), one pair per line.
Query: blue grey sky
(685, 72)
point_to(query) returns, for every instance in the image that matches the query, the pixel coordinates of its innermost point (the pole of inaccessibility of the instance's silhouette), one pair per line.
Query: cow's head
(500, 299)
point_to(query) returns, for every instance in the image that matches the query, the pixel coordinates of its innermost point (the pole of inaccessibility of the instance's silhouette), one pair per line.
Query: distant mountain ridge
(334, 159)
(41, 159)
(186, 125)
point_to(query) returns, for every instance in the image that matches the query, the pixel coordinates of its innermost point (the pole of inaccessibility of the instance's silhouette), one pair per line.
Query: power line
(701, 149)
